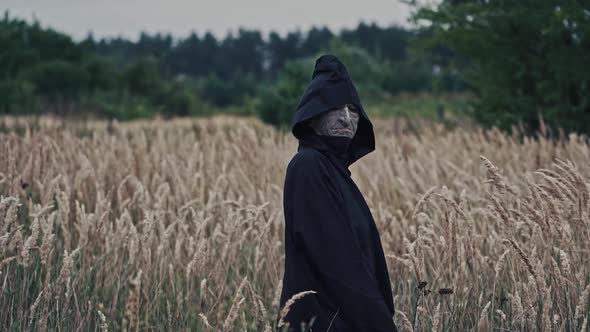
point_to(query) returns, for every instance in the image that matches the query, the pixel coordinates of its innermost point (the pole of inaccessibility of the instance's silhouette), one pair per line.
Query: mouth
(344, 131)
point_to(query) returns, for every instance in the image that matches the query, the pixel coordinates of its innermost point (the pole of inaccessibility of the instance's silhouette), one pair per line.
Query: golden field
(178, 225)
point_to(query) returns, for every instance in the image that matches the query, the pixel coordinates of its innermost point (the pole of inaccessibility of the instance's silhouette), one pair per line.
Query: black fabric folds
(332, 245)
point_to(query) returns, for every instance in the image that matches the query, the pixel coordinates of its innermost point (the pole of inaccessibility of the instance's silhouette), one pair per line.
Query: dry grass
(178, 225)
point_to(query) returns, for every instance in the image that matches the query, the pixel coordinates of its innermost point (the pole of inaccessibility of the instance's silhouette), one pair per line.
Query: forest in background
(510, 63)
(246, 72)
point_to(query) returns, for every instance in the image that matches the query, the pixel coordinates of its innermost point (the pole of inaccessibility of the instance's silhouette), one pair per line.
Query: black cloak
(332, 245)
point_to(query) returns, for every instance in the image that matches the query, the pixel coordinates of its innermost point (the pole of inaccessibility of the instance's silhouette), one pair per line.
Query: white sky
(110, 18)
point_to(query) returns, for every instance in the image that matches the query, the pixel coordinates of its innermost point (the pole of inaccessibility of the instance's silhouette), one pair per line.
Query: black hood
(332, 87)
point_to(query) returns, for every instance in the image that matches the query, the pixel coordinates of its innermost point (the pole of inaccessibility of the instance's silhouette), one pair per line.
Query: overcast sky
(109, 18)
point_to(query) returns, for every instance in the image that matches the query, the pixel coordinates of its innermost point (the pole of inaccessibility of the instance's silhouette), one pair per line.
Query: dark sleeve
(323, 234)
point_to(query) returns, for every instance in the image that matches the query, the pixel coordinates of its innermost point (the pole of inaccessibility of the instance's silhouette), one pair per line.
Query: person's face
(342, 121)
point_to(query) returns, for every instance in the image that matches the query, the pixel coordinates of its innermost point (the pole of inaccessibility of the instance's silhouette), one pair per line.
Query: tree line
(44, 70)
(521, 60)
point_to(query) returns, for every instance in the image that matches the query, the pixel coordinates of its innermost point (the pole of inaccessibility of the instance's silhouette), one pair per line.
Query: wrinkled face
(342, 121)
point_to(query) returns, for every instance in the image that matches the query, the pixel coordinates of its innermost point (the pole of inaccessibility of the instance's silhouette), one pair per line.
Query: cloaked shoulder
(309, 161)
(310, 174)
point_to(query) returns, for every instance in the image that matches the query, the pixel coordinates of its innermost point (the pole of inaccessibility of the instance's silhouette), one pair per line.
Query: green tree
(523, 58)
(57, 80)
(142, 77)
(102, 73)
(277, 105)
(16, 96)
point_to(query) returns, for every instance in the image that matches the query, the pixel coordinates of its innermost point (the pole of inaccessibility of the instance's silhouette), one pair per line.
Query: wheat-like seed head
(200, 200)
(289, 303)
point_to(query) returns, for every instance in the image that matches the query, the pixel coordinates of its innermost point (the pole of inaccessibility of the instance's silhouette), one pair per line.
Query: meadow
(178, 225)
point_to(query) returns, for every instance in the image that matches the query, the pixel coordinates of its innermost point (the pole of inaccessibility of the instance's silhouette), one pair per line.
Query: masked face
(342, 121)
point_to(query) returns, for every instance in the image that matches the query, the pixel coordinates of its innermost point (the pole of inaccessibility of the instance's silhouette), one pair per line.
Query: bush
(225, 92)
(114, 105)
(16, 97)
(407, 76)
(142, 77)
(57, 79)
(277, 105)
(179, 99)
(102, 73)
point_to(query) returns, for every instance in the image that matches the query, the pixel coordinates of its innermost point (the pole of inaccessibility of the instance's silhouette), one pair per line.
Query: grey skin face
(342, 121)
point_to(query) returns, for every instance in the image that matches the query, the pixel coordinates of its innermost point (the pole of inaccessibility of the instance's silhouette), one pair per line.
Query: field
(178, 225)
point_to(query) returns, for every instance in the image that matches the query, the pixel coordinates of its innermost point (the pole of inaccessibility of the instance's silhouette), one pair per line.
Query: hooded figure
(332, 245)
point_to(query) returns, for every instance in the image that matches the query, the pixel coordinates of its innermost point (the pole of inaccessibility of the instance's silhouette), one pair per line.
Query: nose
(345, 118)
